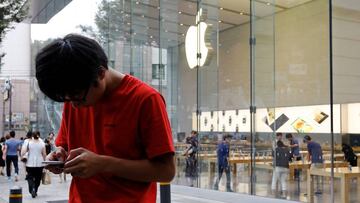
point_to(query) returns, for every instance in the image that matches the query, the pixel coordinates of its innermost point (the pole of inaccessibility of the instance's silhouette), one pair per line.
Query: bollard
(165, 195)
(15, 195)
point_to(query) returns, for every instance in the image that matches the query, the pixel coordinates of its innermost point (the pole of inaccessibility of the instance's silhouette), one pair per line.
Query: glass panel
(291, 90)
(262, 44)
(181, 87)
(211, 129)
(346, 58)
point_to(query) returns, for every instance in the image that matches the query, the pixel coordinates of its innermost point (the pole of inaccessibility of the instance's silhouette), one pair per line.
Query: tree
(109, 20)
(11, 11)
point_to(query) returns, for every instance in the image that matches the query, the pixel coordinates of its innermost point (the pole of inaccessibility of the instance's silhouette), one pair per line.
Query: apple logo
(203, 50)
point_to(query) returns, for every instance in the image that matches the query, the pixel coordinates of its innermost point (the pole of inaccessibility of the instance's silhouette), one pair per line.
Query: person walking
(2, 161)
(34, 167)
(223, 150)
(11, 149)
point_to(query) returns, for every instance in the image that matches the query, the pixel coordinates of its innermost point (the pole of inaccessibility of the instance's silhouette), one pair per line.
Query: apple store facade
(246, 70)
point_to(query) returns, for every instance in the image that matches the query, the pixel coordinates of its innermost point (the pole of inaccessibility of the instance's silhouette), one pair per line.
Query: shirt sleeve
(155, 130)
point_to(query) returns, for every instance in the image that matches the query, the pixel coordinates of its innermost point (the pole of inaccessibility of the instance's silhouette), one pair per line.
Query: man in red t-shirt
(115, 136)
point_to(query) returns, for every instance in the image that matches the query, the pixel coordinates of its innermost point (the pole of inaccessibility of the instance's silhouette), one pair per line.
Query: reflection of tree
(109, 20)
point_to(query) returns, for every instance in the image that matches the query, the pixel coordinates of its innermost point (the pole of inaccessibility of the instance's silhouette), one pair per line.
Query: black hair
(307, 138)
(280, 144)
(278, 134)
(29, 134)
(68, 66)
(12, 133)
(227, 136)
(36, 135)
(289, 135)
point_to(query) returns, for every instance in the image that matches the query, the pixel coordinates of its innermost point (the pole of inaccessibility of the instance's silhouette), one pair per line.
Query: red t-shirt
(132, 124)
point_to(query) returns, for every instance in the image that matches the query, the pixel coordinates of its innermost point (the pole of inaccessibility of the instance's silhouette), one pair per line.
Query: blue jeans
(14, 160)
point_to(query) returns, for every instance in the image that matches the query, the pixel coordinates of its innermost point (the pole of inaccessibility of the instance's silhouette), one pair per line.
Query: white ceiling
(146, 21)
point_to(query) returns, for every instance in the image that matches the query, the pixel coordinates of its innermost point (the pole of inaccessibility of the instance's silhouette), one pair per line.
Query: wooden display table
(237, 160)
(301, 165)
(343, 173)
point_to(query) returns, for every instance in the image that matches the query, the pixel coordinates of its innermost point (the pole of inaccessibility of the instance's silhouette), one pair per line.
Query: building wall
(16, 45)
(16, 66)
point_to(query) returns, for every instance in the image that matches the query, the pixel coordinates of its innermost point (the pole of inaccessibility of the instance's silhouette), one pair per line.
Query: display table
(343, 173)
(301, 165)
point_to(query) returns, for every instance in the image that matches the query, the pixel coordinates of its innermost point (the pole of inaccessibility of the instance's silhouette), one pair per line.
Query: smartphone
(54, 163)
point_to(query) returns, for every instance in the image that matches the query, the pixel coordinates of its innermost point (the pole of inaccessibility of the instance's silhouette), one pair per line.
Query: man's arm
(83, 163)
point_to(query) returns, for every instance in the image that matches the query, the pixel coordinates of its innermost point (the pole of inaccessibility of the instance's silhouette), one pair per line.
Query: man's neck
(113, 79)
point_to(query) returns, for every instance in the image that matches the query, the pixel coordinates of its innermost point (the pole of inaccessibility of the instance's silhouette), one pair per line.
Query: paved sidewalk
(58, 193)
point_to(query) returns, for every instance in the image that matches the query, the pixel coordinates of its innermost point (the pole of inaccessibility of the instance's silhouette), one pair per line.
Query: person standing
(281, 171)
(295, 152)
(11, 149)
(223, 151)
(349, 154)
(115, 136)
(315, 155)
(34, 167)
(191, 167)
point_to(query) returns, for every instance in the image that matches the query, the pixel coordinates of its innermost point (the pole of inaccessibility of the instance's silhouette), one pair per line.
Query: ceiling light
(181, 24)
(137, 2)
(268, 3)
(220, 21)
(221, 8)
(183, 34)
(151, 37)
(241, 13)
(129, 23)
(143, 16)
(179, 12)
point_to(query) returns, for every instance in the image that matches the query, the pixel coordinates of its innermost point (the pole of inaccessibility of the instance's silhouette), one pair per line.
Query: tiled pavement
(57, 192)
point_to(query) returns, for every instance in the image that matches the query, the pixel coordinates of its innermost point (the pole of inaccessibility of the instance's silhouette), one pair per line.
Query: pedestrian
(295, 152)
(223, 150)
(34, 167)
(191, 166)
(315, 155)
(281, 170)
(2, 161)
(10, 154)
(115, 136)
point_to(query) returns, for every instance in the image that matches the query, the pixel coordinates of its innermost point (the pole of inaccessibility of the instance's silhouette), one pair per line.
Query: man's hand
(58, 155)
(83, 163)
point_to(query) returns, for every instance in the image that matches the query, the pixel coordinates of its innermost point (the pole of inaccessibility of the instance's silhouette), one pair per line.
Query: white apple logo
(204, 51)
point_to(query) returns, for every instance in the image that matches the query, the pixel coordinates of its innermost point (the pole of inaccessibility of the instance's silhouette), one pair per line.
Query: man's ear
(101, 73)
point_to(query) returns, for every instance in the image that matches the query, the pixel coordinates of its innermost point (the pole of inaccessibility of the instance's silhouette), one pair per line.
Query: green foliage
(11, 11)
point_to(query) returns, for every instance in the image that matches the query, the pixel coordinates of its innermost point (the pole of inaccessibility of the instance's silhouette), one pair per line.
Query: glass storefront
(240, 72)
